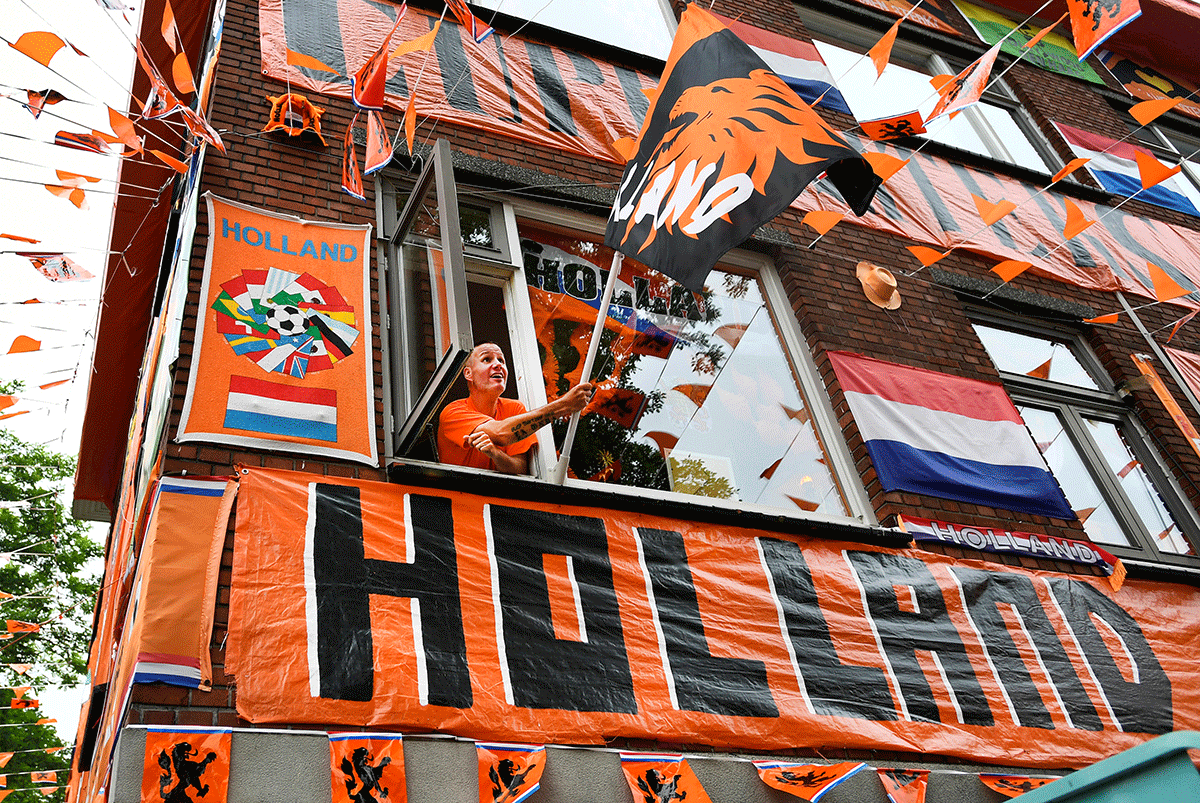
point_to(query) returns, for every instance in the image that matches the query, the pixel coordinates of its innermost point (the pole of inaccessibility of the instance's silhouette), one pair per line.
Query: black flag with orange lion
(725, 147)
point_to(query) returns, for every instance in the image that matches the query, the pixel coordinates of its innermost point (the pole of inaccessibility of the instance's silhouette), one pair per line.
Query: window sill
(530, 489)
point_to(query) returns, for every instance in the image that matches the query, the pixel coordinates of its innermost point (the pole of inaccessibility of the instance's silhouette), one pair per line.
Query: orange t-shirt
(459, 419)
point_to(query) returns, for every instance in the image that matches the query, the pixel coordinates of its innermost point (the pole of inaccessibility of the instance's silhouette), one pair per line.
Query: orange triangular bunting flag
(20, 669)
(39, 46)
(926, 256)
(2, 417)
(884, 165)
(881, 51)
(1165, 288)
(1042, 371)
(169, 161)
(24, 343)
(1013, 785)
(410, 123)
(991, 212)
(1148, 111)
(1010, 269)
(6, 793)
(904, 786)
(170, 32)
(1069, 168)
(1181, 323)
(122, 126)
(19, 238)
(662, 778)
(422, 42)
(6, 402)
(367, 84)
(1152, 171)
(5, 758)
(181, 71)
(300, 60)
(1076, 222)
(625, 147)
(1111, 317)
(351, 176)
(1040, 35)
(939, 82)
(823, 220)
(806, 781)
(379, 144)
(16, 626)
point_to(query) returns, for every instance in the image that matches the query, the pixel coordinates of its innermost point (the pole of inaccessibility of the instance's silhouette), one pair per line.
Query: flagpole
(560, 471)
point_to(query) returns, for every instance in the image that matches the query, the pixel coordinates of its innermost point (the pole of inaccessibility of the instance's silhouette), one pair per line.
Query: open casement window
(1102, 458)
(449, 273)
(707, 395)
(997, 126)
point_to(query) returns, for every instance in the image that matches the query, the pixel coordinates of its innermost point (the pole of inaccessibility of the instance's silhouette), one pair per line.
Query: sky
(63, 318)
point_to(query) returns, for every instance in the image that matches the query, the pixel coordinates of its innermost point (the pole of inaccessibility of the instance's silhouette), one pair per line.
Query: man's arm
(512, 429)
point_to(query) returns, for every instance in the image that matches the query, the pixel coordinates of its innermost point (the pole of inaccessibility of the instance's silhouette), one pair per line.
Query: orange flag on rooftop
(24, 343)
(1165, 288)
(904, 786)
(41, 46)
(967, 87)
(881, 51)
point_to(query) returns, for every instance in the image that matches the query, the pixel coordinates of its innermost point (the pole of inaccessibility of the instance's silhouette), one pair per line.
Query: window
(707, 397)
(641, 26)
(996, 127)
(1099, 454)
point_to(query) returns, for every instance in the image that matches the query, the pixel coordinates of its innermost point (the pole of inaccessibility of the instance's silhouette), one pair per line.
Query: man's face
(486, 369)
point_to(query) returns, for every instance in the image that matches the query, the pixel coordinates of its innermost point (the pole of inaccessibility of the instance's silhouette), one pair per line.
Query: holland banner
(283, 356)
(946, 436)
(725, 147)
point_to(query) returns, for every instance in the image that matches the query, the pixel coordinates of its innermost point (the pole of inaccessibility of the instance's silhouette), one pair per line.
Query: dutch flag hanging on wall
(946, 436)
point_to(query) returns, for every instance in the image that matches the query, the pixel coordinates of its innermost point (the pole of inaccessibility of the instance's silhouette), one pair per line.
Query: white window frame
(526, 370)
(1071, 404)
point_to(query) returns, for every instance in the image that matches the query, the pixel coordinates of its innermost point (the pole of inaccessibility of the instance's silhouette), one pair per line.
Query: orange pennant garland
(1179, 324)
(1010, 269)
(1092, 22)
(1148, 111)
(1042, 371)
(421, 43)
(308, 62)
(881, 51)
(967, 87)
(123, 127)
(904, 786)
(806, 781)
(351, 177)
(410, 124)
(367, 766)
(908, 124)
(170, 32)
(23, 343)
(991, 212)
(368, 82)
(925, 255)
(19, 238)
(178, 759)
(379, 144)
(170, 161)
(1111, 317)
(1040, 35)
(662, 778)
(1013, 785)
(1069, 168)
(1165, 288)
(73, 194)
(16, 626)
(181, 71)
(41, 46)
(5, 758)
(36, 100)
(1152, 171)
(884, 165)
(1076, 222)
(509, 773)
(823, 220)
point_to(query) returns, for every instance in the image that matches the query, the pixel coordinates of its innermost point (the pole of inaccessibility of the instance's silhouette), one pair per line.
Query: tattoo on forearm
(531, 426)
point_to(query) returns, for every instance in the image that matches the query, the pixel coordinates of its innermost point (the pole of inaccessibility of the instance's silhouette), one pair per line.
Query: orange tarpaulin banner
(930, 202)
(367, 767)
(717, 634)
(523, 89)
(509, 773)
(284, 356)
(178, 573)
(186, 764)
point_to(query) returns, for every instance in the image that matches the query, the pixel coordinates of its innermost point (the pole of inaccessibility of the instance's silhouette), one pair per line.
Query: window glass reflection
(1077, 484)
(696, 394)
(1038, 357)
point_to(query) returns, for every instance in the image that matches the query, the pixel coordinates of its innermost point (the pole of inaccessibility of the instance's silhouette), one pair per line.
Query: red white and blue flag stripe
(271, 408)
(1114, 165)
(177, 670)
(797, 63)
(947, 436)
